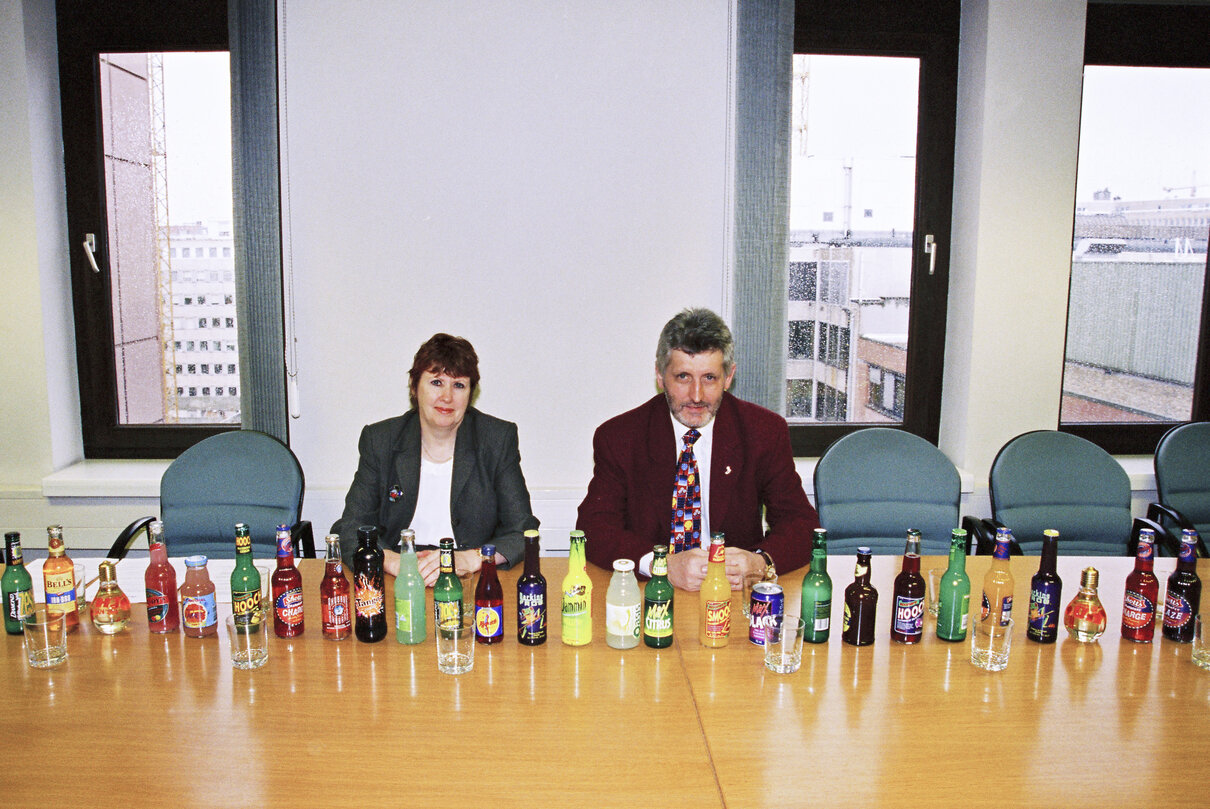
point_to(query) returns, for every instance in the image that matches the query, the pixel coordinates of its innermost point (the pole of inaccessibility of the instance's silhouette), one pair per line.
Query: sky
(197, 111)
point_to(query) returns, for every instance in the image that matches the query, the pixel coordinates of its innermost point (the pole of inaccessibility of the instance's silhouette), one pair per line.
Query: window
(1138, 321)
(231, 368)
(120, 62)
(861, 199)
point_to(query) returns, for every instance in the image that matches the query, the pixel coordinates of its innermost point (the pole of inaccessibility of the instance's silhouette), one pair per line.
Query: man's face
(694, 384)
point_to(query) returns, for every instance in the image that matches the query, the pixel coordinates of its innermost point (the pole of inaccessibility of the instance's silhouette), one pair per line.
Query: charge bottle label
(489, 621)
(1137, 610)
(289, 606)
(657, 618)
(718, 619)
(199, 612)
(909, 615)
(157, 606)
(532, 614)
(368, 600)
(1177, 610)
(336, 613)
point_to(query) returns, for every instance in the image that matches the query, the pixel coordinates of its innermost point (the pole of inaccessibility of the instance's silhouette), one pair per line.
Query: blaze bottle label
(157, 606)
(1177, 610)
(368, 600)
(909, 615)
(489, 621)
(199, 612)
(718, 619)
(657, 618)
(1137, 610)
(289, 606)
(336, 613)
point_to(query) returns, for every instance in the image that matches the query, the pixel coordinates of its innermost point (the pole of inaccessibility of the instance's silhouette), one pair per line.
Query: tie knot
(691, 436)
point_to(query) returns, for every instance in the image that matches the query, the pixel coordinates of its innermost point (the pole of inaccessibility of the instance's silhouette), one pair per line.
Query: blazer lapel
(407, 466)
(726, 463)
(464, 458)
(662, 455)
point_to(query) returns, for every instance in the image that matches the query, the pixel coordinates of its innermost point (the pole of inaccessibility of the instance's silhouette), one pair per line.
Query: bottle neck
(1049, 557)
(957, 556)
(446, 558)
(659, 567)
(911, 563)
(819, 560)
(862, 572)
(531, 557)
(159, 554)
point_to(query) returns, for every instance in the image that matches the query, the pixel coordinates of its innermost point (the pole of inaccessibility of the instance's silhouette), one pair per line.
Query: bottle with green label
(17, 586)
(577, 595)
(245, 581)
(657, 602)
(447, 590)
(409, 592)
(954, 592)
(817, 593)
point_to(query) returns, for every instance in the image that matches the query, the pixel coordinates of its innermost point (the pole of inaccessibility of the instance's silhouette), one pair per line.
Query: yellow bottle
(577, 595)
(715, 626)
(998, 583)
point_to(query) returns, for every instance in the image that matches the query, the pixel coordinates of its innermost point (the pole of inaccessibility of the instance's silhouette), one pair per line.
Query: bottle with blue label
(1184, 596)
(531, 596)
(489, 600)
(907, 622)
(1045, 589)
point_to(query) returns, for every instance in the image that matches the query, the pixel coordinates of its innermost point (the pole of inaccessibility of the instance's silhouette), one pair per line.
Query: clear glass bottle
(110, 609)
(623, 607)
(410, 624)
(1085, 617)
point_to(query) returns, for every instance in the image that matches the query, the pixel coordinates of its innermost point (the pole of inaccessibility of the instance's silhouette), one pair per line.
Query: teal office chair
(238, 476)
(1048, 479)
(872, 485)
(1182, 480)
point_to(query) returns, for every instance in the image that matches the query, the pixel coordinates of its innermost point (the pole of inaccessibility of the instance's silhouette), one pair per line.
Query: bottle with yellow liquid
(577, 595)
(998, 583)
(716, 596)
(59, 579)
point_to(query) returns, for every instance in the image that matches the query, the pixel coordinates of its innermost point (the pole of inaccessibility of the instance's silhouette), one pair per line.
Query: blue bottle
(1045, 589)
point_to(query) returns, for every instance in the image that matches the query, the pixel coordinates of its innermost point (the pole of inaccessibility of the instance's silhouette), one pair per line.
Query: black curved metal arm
(121, 546)
(304, 539)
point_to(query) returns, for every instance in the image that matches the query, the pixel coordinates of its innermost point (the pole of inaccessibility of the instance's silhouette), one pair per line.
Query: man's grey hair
(695, 331)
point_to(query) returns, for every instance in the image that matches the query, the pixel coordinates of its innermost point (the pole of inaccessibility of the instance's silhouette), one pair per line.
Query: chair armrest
(303, 539)
(981, 535)
(1163, 514)
(121, 546)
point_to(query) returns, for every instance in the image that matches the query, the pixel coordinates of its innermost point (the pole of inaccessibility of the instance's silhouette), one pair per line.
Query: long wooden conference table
(162, 720)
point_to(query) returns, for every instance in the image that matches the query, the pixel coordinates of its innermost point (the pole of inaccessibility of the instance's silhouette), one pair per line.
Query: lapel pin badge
(395, 493)
(727, 471)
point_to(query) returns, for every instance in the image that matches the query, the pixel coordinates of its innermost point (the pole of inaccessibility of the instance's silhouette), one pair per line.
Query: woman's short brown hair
(444, 354)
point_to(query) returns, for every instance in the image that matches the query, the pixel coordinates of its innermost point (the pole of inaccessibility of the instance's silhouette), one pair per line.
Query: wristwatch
(770, 568)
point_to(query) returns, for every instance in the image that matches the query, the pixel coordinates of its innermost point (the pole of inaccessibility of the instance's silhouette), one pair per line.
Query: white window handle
(90, 248)
(930, 247)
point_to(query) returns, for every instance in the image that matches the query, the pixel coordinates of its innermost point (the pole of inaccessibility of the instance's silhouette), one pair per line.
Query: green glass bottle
(817, 593)
(409, 592)
(17, 586)
(657, 602)
(447, 590)
(245, 581)
(954, 598)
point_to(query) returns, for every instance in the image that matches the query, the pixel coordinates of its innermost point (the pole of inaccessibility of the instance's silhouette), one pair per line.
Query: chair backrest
(239, 476)
(872, 485)
(1048, 479)
(1182, 472)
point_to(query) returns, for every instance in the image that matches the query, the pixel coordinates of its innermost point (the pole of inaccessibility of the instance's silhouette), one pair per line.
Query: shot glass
(45, 638)
(990, 644)
(783, 645)
(249, 643)
(935, 574)
(456, 645)
(1201, 645)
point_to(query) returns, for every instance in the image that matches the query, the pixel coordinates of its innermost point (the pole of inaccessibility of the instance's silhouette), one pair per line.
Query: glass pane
(166, 121)
(1138, 258)
(852, 202)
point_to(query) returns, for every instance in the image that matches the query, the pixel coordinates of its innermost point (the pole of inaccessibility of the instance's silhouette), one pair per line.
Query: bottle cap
(1089, 578)
(623, 565)
(107, 571)
(488, 551)
(195, 561)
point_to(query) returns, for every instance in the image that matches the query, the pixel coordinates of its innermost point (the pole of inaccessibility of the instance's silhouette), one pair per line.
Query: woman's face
(442, 400)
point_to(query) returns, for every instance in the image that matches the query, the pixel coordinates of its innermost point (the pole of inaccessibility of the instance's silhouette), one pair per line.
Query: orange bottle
(59, 579)
(716, 597)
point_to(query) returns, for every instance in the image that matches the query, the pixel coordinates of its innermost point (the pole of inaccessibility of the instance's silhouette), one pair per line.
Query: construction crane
(163, 247)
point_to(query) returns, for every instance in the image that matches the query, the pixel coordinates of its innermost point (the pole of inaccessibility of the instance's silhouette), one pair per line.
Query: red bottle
(163, 610)
(287, 589)
(1142, 593)
(907, 622)
(337, 623)
(489, 600)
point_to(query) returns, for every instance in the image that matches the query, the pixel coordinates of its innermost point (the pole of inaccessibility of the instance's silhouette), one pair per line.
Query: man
(692, 461)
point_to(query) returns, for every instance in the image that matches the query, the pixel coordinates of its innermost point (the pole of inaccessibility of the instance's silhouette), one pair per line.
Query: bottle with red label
(163, 612)
(1142, 592)
(334, 594)
(1184, 595)
(369, 589)
(199, 611)
(907, 622)
(286, 582)
(489, 600)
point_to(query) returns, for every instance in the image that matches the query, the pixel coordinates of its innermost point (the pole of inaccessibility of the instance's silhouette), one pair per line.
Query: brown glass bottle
(907, 622)
(860, 604)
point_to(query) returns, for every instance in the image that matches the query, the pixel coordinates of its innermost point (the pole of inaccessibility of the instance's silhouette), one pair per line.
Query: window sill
(108, 478)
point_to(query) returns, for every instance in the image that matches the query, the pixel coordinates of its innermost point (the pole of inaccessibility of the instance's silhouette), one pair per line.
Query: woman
(443, 469)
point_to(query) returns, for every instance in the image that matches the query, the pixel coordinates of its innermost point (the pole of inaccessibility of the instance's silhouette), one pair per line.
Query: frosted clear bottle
(623, 607)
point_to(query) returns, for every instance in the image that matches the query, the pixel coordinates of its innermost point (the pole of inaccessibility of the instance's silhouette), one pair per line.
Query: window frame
(927, 31)
(1149, 35)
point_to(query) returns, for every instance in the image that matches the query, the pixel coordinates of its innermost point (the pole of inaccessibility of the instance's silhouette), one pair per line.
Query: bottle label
(199, 612)
(335, 611)
(289, 607)
(848, 617)
(1006, 609)
(368, 599)
(20, 604)
(821, 615)
(243, 544)
(718, 619)
(657, 618)
(575, 601)
(246, 606)
(1188, 551)
(909, 615)
(447, 613)
(1177, 610)
(531, 613)
(717, 553)
(1146, 551)
(489, 621)
(285, 547)
(1138, 612)
(1043, 613)
(623, 621)
(61, 591)
(157, 606)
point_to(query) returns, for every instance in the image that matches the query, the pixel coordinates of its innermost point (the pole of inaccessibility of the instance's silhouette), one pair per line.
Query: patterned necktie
(687, 500)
